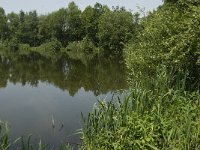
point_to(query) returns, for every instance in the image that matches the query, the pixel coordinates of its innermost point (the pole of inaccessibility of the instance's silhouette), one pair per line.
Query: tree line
(106, 28)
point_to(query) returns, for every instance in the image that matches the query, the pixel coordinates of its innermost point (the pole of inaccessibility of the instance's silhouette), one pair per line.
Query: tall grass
(21, 143)
(165, 117)
(4, 140)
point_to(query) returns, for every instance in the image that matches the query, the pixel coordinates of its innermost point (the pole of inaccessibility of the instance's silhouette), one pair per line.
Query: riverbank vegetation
(161, 51)
(161, 110)
(23, 144)
(161, 118)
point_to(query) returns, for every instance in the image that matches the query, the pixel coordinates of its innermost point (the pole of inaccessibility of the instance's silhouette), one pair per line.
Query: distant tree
(100, 9)
(114, 29)
(13, 23)
(90, 20)
(89, 23)
(74, 25)
(108, 29)
(3, 25)
(28, 28)
(54, 26)
(21, 16)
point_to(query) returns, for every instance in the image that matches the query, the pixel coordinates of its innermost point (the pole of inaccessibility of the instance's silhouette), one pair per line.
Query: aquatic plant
(22, 143)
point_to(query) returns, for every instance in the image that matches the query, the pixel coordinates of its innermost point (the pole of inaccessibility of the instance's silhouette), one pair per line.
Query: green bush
(54, 45)
(14, 44)
(83, 50)
(24, 49)
(85, 46)
(170, 36)
(49, 50)
(3, 47)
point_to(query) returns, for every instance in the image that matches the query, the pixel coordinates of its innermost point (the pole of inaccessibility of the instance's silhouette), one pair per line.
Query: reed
(22, 143)
(166, 117)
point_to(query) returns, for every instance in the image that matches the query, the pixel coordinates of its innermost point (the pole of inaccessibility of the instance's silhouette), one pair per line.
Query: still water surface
(32, 92)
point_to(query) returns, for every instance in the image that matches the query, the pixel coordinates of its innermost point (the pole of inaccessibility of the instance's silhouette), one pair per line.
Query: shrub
(83, 50)
(49, 50)
(54, 45)
(24, 49)
(14, 44)
(170, 36)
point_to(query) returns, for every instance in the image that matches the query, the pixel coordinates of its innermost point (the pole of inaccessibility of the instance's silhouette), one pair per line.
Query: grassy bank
(160, 118)
(164, 123)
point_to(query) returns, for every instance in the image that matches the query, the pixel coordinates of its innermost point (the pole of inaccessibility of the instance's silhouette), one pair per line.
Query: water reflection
(99, 76)
(32, 91)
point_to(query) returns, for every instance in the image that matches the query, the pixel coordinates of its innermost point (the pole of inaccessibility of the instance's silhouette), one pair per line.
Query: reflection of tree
(99, 76)
(4, 73)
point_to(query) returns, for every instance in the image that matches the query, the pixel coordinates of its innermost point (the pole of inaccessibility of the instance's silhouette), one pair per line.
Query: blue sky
(45, 6)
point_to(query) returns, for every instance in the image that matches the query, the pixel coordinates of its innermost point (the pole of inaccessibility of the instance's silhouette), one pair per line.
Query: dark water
(34, 92)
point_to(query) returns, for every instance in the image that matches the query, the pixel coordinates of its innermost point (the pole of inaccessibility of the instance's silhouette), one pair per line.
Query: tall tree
(89, 23)
(3, 25)
(115, 28)
(54, 26)
(90, 20)
(28, 28)
(74, 26)
(13, 23)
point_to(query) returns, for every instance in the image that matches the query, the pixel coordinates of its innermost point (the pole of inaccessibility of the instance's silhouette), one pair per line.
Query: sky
(47, 6)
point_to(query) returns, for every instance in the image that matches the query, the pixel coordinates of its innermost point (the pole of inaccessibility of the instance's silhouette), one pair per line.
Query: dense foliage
(161, 110)
(170, 36)
(69, 25)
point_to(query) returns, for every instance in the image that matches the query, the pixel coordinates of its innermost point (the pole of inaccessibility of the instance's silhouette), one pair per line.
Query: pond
(33, 93)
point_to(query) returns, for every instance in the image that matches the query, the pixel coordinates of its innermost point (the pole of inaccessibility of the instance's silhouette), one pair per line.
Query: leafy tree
(28, 29)
(22, 16)
(54, 26)
(115, 29)
(89, 23)
(13, 23)
(90, 20)
(73, 24)
(100, 9)
(3, 25)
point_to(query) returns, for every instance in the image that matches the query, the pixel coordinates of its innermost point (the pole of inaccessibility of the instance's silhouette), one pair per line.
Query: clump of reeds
(23, 144)
(4, 140)
(166, 117)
